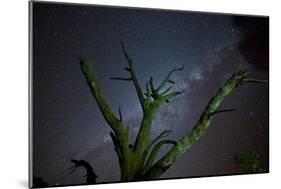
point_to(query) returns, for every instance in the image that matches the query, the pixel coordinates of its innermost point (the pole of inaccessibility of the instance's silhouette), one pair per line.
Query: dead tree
(138, 161)
(90, 174)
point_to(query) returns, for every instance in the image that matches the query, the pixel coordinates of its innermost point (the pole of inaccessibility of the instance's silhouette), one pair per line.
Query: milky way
(68, 124)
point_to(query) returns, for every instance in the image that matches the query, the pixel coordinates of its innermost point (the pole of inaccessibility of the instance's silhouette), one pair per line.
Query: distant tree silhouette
(138, 161)
(91, 176)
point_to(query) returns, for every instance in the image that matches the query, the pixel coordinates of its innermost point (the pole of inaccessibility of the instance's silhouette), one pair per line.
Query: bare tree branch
(163, 134)
(187, 140)
(121, 78)
(222, 111)
(131, 69)
(255, 81)
(167, 78)
(88, 70)
(153, 154)
(111, 119)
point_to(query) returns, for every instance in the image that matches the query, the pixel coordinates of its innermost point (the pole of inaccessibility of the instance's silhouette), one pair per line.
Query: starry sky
(68, 124)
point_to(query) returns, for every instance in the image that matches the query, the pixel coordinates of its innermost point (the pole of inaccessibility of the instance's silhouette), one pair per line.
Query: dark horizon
(67, 123)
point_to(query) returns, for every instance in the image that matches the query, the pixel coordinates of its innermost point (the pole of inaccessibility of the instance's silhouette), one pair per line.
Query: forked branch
(187, 140)
(131, 69)
(167, 79)
(154, 152)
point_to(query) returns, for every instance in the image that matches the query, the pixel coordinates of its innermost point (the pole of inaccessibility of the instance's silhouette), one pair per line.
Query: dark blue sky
(68, 124)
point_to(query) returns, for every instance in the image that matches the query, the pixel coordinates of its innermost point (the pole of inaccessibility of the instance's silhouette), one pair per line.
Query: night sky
(68, 124)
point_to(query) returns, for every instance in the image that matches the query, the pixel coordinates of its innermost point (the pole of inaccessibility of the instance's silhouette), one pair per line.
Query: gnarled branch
(204, 121)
